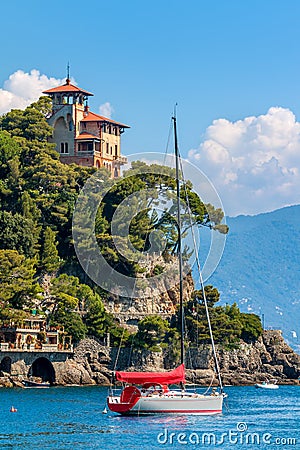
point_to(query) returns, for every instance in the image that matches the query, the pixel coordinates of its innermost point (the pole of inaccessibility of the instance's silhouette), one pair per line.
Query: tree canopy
(37, 198)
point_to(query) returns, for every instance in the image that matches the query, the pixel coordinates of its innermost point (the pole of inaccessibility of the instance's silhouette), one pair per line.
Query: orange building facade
(81, 136)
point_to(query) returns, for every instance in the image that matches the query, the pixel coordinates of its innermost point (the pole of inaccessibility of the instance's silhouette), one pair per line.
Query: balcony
(121, 159)
(10, 347)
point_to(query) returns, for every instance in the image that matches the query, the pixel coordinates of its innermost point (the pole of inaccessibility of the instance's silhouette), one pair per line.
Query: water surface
(71, 417)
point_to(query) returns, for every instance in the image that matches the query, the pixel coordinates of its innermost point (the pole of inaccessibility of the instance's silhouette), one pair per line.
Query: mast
(217, 367)
(179, 244)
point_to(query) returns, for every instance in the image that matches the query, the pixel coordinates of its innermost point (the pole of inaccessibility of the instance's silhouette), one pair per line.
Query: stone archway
(5, 365)
(44, 369)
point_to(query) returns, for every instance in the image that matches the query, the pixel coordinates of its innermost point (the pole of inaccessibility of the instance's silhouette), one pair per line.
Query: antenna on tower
(68, 73)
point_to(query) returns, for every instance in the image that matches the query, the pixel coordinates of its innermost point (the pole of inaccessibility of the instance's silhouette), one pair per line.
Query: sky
(233, 68)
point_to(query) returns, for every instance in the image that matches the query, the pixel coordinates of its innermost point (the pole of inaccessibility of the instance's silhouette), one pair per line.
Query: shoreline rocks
(92, 364)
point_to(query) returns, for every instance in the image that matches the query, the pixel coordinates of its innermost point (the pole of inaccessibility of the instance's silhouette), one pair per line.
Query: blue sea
(72, 418)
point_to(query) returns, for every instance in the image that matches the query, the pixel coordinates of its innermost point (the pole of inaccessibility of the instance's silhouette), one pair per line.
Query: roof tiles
(67, 87)
(92, 117)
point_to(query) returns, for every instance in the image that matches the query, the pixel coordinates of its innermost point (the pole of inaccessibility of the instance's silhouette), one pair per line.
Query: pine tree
(50, 260)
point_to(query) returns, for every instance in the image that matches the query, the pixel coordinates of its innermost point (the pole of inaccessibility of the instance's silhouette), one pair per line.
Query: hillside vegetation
(39, 271)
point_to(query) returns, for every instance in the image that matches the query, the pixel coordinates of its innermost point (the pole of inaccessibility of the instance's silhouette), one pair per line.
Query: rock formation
(269, 357)
(88, 366)
(92, 363)
(160, 299)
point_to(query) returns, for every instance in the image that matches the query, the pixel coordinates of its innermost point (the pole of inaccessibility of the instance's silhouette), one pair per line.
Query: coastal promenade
(33, 362)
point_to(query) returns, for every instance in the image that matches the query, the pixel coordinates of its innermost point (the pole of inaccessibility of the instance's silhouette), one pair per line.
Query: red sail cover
(173, 377)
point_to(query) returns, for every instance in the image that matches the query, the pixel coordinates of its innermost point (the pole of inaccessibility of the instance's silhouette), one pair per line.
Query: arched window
(64, 147)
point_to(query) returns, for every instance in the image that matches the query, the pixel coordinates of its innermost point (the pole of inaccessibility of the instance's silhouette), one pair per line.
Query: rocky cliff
(159, 299)
(269, 357)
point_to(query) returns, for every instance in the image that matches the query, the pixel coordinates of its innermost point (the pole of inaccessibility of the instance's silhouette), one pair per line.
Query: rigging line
(130, 353)
(168, 143)
(183, 319)
(130, 304)
(179, 248)
(144, 246)
(212, 380)
(204, 296)
(189, 354)
(202, 285)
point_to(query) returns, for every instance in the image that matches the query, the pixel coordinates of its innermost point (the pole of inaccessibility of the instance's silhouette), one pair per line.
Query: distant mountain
(260, 269)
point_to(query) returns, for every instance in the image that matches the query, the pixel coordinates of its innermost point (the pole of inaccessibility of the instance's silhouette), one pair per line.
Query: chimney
(86, 110)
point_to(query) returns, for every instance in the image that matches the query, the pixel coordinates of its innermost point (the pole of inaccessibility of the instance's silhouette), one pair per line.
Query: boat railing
(115, 392)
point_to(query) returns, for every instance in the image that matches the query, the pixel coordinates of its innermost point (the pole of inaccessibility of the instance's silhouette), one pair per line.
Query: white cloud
(23, 88)
(106, 110)
(253, 163)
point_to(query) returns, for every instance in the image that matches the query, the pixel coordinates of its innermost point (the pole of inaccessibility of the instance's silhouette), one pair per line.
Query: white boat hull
(168, 404)
(267, 386)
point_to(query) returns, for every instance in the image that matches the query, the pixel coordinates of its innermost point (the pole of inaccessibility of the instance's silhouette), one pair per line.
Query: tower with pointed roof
(81, 136)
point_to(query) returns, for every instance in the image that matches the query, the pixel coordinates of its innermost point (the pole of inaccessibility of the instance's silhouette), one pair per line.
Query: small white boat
(35, 384)
(267, 385)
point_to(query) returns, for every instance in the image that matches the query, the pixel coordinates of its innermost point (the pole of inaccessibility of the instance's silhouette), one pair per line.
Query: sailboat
(152, 392)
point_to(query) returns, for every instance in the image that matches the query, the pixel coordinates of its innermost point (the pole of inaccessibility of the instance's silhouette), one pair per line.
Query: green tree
(77, 305)
(65, 284)
(17, 279)
(153, 189)
(50, 260)
(119, 336)
(152, 333)
(73, 326)
(29, 208)
(11, 315)
(17, 233)
(252, 327)
(212, 296)
(65, 311)
(95, 319)
(229, 325)
(30, 123)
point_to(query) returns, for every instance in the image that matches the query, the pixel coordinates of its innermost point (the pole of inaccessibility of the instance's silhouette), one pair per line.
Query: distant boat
(35, 384)
(267, 385)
